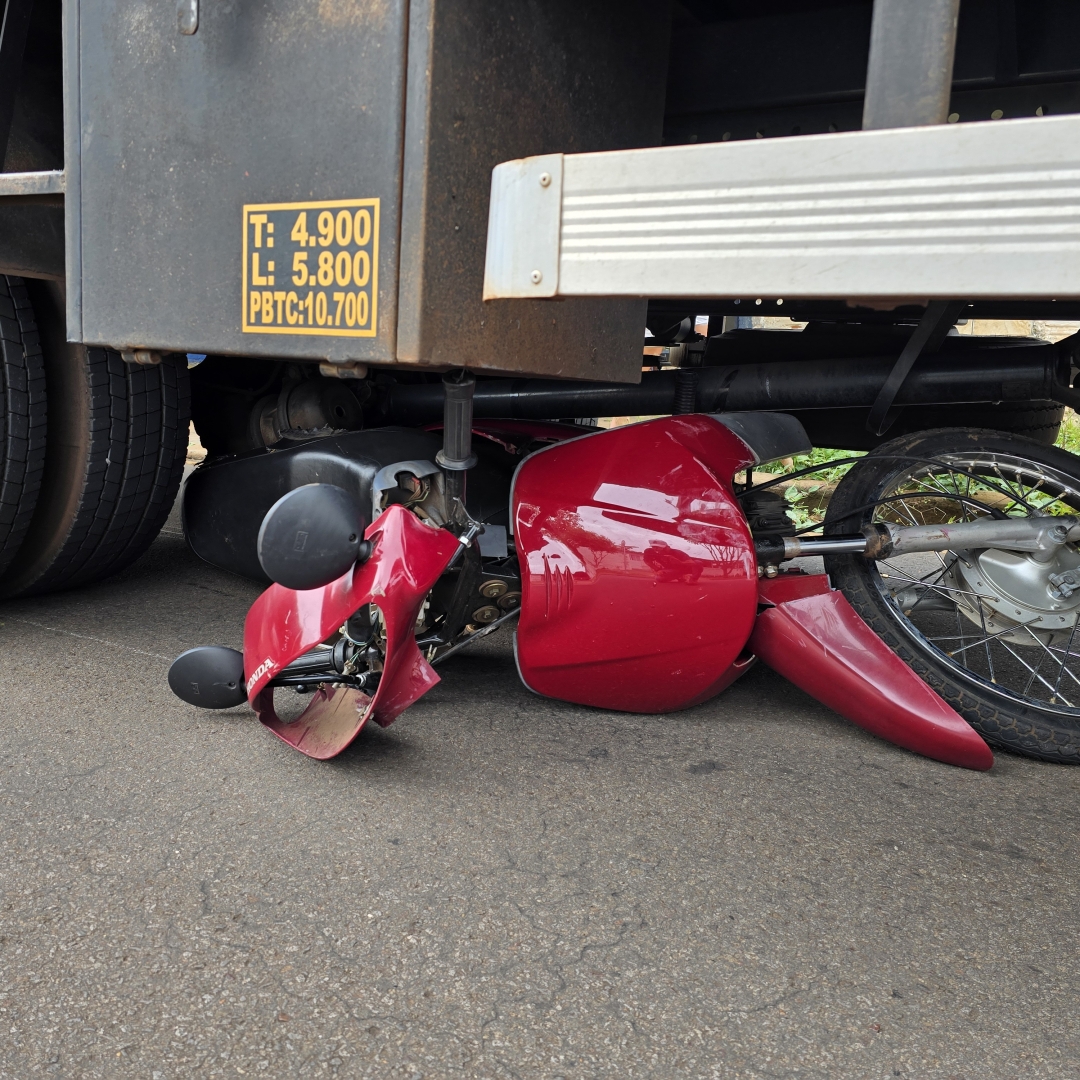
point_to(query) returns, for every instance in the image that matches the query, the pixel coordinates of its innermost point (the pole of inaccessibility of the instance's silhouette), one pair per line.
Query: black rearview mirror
(311, 536)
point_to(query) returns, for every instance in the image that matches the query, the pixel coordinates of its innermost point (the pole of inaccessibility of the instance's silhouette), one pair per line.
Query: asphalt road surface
(501, 885)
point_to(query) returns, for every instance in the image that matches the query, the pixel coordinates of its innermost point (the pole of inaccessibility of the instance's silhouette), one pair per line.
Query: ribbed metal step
(982, 210)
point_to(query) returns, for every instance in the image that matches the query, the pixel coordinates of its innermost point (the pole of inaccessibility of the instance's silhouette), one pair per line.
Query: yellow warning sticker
(311, 268)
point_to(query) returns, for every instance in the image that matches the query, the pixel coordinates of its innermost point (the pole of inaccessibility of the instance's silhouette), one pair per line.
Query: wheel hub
(1011, 591)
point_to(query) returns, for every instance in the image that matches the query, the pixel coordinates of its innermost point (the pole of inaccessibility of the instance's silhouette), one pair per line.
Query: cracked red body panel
(407, 559)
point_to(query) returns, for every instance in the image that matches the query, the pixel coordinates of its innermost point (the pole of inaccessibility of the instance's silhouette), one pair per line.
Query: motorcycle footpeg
(210, 677)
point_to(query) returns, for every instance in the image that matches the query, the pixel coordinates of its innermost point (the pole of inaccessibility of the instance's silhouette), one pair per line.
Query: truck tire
(1036, 420)
(22, 416)
(945, 617)
(845, 429)
(115, 457)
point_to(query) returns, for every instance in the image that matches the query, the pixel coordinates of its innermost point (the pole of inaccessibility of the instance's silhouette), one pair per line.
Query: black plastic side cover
(226, 500)
(769, 435)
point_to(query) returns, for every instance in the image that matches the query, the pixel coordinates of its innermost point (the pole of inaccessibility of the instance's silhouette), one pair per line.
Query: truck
(384, 245)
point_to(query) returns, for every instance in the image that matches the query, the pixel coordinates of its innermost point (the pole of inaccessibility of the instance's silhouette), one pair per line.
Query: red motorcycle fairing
(812, 636)
(406, 561)
(639, 582)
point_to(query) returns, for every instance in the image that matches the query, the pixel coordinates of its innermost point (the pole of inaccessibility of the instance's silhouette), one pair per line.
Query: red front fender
(815, 638)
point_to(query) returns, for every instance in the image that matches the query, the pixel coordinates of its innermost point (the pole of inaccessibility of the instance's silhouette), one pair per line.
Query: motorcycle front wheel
(994, 632)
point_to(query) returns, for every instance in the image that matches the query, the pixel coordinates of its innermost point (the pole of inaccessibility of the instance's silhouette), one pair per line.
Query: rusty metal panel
(221, 151)
(266, 103)
(488, 81)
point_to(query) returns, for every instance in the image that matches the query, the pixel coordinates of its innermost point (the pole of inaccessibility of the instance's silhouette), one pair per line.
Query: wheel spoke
(947, 589)
(912, 519)
(986, 642)
(959, 626)
(973, 644)
(1063, 667)
(1034, 672)
(963, 487)
(1011, 490)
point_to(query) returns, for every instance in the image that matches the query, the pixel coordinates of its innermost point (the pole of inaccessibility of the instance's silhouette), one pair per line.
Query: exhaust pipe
(1035, 372)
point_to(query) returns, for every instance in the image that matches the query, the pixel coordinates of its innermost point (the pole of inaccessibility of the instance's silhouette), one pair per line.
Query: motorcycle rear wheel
(988, 631)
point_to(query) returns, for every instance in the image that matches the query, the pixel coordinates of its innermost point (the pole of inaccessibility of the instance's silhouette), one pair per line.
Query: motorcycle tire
(953, 624)
(115, 457)
(22, 417)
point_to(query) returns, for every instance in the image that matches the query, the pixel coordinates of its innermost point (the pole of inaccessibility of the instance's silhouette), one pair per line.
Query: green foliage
(821, 456)
(1069, 436)
(805, 505)
(802, 517)
(805, 501)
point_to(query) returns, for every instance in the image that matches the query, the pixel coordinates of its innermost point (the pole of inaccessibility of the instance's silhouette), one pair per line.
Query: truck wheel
(845, 429)
(22, 416)
(115, 456)
(1038, 420)
(995, 634)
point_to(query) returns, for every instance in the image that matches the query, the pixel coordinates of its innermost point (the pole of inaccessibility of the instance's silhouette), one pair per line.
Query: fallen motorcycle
(642, 577)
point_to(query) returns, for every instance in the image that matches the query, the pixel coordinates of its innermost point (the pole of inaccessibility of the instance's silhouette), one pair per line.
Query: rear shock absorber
(456, 456)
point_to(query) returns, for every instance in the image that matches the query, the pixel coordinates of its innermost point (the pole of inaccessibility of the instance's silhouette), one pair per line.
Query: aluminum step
(979, 210)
